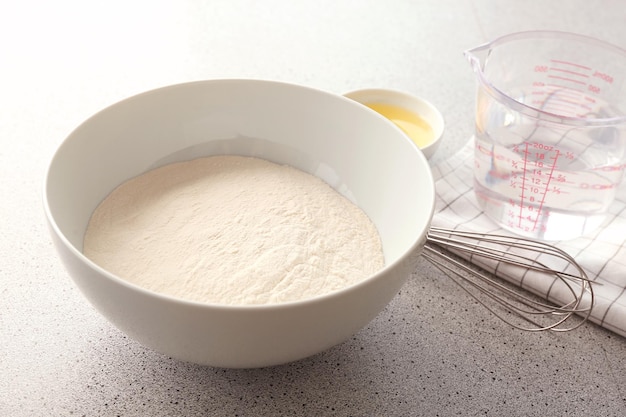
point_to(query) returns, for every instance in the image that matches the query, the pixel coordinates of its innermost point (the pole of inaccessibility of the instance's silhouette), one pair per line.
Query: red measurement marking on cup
(563, 88)
(566, 88)
(565, 71)
(570, 80)
(535, 182)
(570, 64)
(570, 92)
(568, 71)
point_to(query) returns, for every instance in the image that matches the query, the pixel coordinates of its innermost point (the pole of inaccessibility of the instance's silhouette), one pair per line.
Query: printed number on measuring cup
(594, 89)
(543, 146)
(603, 76)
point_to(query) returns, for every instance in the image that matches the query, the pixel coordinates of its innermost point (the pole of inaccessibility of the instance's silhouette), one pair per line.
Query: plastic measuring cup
(550, 139)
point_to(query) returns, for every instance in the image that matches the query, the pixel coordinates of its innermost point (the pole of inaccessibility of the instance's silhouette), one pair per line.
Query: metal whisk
(521, 259)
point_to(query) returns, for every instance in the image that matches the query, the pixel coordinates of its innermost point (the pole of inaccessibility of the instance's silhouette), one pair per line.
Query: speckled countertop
(430, 352)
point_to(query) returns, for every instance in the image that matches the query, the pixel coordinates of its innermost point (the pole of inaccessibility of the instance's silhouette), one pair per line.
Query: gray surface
(431, 352)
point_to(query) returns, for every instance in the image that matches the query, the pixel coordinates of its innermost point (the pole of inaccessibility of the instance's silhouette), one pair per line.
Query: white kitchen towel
(602, 254)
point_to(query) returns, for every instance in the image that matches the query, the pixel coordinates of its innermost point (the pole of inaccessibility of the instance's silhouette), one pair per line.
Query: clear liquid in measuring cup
(553, 184)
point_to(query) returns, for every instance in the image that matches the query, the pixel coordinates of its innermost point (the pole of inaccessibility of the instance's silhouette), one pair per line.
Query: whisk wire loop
(518, 256)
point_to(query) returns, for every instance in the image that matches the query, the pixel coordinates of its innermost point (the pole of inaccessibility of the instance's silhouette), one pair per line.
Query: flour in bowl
(233, 230)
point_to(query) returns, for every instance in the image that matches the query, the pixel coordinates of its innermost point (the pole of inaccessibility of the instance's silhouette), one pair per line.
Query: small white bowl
(358, 152)
(416, 105)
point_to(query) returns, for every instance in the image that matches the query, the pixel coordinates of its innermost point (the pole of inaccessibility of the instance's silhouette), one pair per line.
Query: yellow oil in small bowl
(412, 124)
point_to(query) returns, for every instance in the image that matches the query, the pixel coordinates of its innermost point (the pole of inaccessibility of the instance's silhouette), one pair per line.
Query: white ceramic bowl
(362, 155)
(423, 108)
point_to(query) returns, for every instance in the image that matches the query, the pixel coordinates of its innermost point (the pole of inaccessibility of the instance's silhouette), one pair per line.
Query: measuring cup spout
(477, 56)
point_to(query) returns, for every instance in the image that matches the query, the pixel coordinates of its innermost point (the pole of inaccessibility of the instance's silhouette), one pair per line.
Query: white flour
(233, 230)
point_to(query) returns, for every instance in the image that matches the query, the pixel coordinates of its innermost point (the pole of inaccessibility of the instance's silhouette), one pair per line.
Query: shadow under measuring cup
(550, 137)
